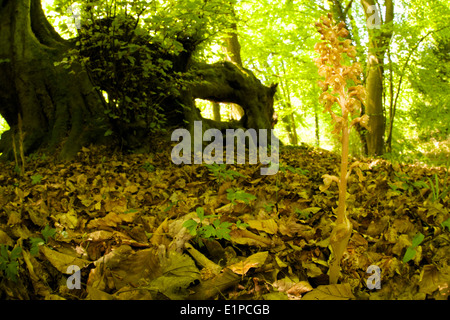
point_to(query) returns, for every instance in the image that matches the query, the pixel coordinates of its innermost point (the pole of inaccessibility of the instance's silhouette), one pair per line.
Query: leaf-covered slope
(121, 218)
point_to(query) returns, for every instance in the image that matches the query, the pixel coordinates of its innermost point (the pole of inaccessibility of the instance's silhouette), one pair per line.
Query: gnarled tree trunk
(53, 102)
(226, 82)
(62, 111)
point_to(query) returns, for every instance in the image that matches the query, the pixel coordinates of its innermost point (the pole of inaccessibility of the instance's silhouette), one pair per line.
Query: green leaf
(4, 252)
(191, 225)
(148, 167)
(239, 195)
(446, 223)
(35, 243)
(241, 225)
(223, 233)
(200, 213)
(209, 231)
(12, 270)
(15, 253)
(409, 254)
(418, 238)
(48, 232)
(36, 178)
(216, 223)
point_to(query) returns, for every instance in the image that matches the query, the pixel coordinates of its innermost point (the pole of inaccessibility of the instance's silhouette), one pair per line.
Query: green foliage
(410, 252)
(430, 81)
(47, 233)
(240, 195)
(438, 192)
(446, 223)
(306, 213)
(220, 172)
(300, 171)
(8, 261)
(215, 229)
(35, 179)
(135, 71)
(148, 167)
(403, 182)
(277, 39)
(268, 207)
(137, 52)
(241, 225)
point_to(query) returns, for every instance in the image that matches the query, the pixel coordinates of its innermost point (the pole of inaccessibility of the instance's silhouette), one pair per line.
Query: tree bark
(232, 49)
(316, 127)
(216, 111)
(225, 82)
(53, 102)
(378, 43)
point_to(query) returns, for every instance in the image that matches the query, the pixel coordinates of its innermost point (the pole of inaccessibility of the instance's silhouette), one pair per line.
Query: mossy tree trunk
(225, 82)
(60, 109)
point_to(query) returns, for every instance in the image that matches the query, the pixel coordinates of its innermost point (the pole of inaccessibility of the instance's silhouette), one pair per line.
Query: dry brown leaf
(330, 292)
(253, 261)
(267, 225)
(246, 237)
(62, 261)
(299, 288)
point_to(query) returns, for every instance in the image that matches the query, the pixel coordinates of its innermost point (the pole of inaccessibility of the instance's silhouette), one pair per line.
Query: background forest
(276, 40)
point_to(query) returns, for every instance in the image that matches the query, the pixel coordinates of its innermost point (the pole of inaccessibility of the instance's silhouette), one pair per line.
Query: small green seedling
(405, 183)
(307, 212)
(35, 179)
(47, 232)
(300, 171)
(8, 262)
(148, 167)
(215, 230)
(410, 252)
(241, 225)
(436, 192)
(303, 214)
(240, 195)
(268, 207)
(220, 172)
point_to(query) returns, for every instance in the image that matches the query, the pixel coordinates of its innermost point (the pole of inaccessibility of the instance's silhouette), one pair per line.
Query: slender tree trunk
(391, 105)
(393, 100)
(294, 129)
(216, 111)
(316, 125)
(289, 119)
(378, 43)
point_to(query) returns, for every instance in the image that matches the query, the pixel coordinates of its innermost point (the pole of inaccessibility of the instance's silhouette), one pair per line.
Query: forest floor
(138, 226)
